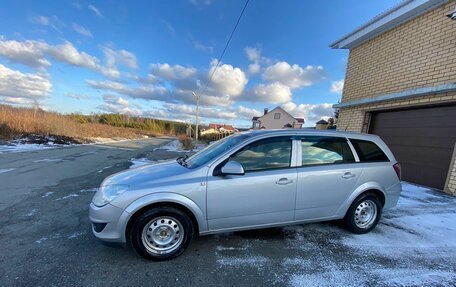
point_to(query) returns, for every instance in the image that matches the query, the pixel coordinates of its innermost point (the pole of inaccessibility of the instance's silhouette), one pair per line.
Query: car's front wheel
(364, 214)
(162, 233)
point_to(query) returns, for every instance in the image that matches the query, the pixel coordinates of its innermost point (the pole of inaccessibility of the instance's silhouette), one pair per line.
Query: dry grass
(16, 122)
(186, 142)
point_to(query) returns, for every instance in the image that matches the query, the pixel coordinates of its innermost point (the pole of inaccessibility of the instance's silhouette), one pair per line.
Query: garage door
(422, 140)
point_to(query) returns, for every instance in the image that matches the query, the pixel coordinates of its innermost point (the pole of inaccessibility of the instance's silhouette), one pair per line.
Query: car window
(265, 154)
(368, 151)
(212, 151)
(325, 150)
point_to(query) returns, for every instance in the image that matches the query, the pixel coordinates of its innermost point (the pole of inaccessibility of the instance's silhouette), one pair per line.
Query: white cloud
(95, 10)
(188, 112)
(227, 80)
(76, 96)
(168, 26)
(200, 2)
(33, 54)
(17, 101)
(311, 113)
(202, 47)
(142, 92)
(82, 30)
(168, 72)
(247, 113)
(294, 76)
(275, 93)
(67, 53)
(253, 54)
(175, 84)
(28, 53)
(337, 87)
(54, 22)
(254, 68)
(41, 20)
(15, 84)
(114, 104)
(123, 57)
(198, 45)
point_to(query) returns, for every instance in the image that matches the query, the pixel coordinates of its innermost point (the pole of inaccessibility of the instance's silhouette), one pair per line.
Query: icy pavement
(413, 245)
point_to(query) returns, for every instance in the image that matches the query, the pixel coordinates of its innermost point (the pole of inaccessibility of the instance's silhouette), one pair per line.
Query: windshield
(214, 150)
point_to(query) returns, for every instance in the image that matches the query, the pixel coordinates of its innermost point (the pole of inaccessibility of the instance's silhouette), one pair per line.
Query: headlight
(108, 193)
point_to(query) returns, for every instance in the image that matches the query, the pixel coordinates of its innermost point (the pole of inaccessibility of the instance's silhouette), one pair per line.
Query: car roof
(304, 132)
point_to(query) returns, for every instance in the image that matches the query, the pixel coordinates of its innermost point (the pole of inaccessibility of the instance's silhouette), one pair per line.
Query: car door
(265, 194)
(327, 176)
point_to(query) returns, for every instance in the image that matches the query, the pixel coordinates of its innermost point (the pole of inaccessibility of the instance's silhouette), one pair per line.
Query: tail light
(397, 169)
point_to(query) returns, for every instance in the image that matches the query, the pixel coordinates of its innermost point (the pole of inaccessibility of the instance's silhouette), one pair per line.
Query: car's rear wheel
(162, 233)
(364, 214)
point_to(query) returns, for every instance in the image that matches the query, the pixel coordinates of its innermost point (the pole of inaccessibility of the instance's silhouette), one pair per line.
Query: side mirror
(232, 168)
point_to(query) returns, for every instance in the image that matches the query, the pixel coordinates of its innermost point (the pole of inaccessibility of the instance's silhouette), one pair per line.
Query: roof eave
(399, 14)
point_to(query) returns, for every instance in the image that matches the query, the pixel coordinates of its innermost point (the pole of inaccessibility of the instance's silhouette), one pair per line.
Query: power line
(226, 46)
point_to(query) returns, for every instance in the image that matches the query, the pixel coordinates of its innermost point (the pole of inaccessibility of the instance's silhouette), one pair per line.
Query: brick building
(400, 83)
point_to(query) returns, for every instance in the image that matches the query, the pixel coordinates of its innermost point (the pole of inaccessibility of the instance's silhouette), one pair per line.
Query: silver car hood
(147, 174)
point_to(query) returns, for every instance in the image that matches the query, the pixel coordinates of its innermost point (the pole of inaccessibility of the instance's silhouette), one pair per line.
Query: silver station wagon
(249, 180)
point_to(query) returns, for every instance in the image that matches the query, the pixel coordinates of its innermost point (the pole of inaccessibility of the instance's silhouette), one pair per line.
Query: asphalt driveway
(46, 238)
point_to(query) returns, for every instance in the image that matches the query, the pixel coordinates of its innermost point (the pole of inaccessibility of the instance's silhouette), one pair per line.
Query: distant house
(219, 129)
(321, 125)
(278, 118)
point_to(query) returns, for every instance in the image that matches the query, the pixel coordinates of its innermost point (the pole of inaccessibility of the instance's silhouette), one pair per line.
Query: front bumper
(108, 222)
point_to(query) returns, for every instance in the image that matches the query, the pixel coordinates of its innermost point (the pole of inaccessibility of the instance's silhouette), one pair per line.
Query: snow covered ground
(176, 146)
(413, 245)
(21, 147)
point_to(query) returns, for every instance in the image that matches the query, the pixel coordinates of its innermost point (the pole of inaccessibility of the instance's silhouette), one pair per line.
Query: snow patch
(68, 196)
(230, 248)
(45, 238)
(95, 189)
(413, 277)
(174, 145)
(255, 261)
(47, 160)
(104, 168)
(31, 213)
(76, 235)
(3, 170)
(32, 143)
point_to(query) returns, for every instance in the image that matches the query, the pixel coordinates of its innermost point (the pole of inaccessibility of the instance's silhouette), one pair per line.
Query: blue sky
(146, 57)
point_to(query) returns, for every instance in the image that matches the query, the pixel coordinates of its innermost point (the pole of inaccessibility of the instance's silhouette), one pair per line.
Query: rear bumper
(392, 195)
(108, 222)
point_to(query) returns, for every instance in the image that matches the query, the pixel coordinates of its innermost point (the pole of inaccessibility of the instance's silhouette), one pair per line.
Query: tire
(363, 214)
(161, 233)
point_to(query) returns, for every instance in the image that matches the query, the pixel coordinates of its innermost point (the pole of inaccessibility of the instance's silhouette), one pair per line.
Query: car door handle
(284, 181)
(348, 175)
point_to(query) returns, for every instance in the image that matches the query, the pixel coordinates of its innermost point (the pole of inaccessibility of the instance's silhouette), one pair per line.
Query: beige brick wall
(418, 53)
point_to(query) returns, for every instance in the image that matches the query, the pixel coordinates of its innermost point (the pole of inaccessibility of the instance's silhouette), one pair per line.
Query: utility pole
(197, 110)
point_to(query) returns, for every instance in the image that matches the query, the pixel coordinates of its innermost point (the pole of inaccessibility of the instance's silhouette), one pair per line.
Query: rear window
(368, 151)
